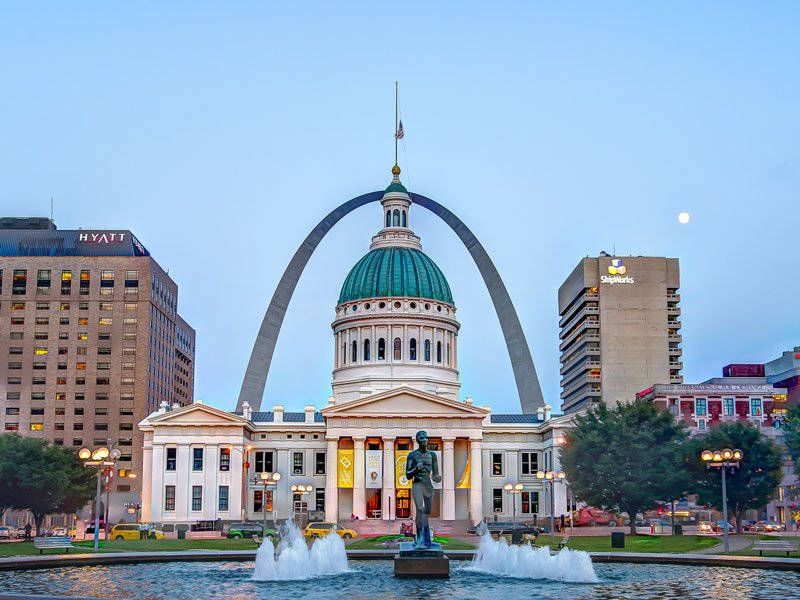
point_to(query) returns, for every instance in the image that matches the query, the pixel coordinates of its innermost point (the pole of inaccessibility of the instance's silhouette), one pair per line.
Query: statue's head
(422, 439)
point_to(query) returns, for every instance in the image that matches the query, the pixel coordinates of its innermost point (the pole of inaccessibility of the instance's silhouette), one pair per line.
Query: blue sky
(221, 133)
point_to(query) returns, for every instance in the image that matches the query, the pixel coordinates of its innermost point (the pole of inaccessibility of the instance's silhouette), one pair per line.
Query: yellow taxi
(319, 530)
(135, 531)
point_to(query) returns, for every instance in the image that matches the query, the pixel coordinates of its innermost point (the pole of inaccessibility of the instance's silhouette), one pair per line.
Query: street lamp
(552, 477)
(513, 488)
(98, 458)
(267, 479)
(722, 459)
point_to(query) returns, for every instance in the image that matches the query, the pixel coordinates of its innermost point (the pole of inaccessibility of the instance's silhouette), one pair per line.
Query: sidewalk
(735, 543)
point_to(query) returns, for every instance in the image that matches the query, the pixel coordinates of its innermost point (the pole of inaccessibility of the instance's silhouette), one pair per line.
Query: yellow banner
(345, 468)
(400, 458)
(465, 482)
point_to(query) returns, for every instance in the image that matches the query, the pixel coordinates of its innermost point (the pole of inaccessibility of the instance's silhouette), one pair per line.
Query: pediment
(404, 402)
(196, 414)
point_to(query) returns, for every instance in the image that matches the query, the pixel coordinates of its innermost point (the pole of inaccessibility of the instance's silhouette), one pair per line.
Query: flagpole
(396, 125)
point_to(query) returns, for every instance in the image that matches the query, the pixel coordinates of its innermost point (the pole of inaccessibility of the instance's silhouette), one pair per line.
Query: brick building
(90, 341)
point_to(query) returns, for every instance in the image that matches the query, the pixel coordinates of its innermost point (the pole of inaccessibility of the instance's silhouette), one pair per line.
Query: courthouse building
(395, 372)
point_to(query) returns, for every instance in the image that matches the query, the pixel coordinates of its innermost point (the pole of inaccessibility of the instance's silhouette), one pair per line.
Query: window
(225, 459)
(40, 351)
(197, 459)
(497, 463)
(497, 500)
(104, 321)
(258, 501)
(100, 410)
(223, 498)
(18, 306)
(85, 280)
(320, 503)
(398, 349)
(365, 357)
(755, 407)
(42, 306)
(396, 218)
(107, 306)
(297, 463)
(388, 218)
(412, 349)
(354, 355)
(77, 441)
(381, 349)
(106, 279)
(427, 351)
(37, 426)
(16, 335)
(12, 410)
(727, 407)
(169, 497)
(438, 352)
(530, 503)
(19, 282)
(60, 410)
(530, 463)
(700, 407)
(264, 461)
(101, 426)
(64, 306)
(103, 366)
(12, 427)
(78, 410)
(172, 458)
(319, 464)
(403, 219)
(81, 366)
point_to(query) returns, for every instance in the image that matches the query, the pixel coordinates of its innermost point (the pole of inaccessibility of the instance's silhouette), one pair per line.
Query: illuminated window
(82, 335)
(83, 321)
(64, 306)
(66, 275)
(104, 321)
(106, 306)
(80, 366)
(129, 321)
(225, 459)
(131, 306)
(40, 351)
(61, 381)
(106, 279)
(37, 426)
(18, 306)
(129, 350)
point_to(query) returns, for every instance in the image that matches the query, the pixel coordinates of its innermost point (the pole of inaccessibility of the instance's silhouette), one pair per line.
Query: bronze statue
(422, 466)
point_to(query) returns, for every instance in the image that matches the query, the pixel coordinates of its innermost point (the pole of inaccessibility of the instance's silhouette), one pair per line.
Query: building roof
(514, 418)
(65, 242)
(395, 271)
(288, 417)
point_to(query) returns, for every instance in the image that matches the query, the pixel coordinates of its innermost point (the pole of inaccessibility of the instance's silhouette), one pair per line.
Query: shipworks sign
(616, 273)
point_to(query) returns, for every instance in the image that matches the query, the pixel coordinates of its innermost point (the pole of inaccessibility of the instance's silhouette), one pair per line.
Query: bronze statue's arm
(435, 476)
(411, 465)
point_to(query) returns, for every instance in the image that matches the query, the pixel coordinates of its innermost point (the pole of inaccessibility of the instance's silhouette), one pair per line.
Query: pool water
(374, 580)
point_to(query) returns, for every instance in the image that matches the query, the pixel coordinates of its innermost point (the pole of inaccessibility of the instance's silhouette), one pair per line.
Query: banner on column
(345, 468)
(373, 462)
(400, 458)
(438, 453)
(465, 482)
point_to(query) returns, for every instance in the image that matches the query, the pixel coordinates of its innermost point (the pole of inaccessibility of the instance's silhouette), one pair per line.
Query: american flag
(400, 133)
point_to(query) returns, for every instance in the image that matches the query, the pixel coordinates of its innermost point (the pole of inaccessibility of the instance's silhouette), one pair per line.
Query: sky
(221, 133)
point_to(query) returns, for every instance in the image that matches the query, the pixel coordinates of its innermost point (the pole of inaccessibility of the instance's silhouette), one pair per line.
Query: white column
(388, 493)
(147, 480)
(183, 483)
(282, 500)
(157, 491)
(359, 479)
(331, 480)
(476, 481)
(448, 480)
(210, 471)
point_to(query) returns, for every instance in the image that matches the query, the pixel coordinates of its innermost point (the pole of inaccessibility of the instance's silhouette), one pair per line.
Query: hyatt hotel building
(90, 342)
(619, 329)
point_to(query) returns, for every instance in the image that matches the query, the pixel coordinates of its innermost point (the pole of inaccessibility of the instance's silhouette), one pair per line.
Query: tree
(626, 459)
(752, 484)
(43, 478)
(791, 436)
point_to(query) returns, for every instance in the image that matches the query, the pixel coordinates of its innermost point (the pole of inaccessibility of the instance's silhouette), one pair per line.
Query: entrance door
(403, 504)
(373, 504)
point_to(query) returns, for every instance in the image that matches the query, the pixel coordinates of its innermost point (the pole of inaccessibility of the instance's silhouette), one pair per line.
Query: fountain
(499, 558)
(293, 560)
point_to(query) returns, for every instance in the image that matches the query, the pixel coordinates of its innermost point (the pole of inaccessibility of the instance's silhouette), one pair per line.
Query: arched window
(404, 218)
(396, 218)
(427, 351)
(388, 218)
(412, 349)
(398, 349)
(365, 355)
(354, 357)
(381, 349)
(438, 352)
(448, 354)
(344, 354)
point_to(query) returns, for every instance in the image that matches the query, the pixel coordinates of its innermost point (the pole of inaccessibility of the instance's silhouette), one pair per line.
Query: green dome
(395, 272)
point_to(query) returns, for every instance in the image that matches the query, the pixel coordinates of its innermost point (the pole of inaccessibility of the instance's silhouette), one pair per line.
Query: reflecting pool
(373, 580)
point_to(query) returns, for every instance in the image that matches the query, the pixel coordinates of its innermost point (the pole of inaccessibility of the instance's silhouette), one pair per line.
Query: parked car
(319, 530)
(593, 516)
(504, 528)
(6, 533)
(720, 526)
(135, 531)
(59, 531)
(246, 530)
(766, 526)
(705, 527)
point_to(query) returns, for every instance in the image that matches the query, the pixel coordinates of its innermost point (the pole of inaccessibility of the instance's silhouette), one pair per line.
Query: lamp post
(722, 459)
(100, 458)
(513, 488)
(267, 479)
(551, 477)
(302, 490)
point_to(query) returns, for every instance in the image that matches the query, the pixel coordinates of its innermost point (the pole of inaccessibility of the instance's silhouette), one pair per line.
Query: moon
(683, 217)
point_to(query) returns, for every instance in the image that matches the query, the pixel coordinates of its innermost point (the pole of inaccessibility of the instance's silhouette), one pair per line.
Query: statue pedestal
(421, 562)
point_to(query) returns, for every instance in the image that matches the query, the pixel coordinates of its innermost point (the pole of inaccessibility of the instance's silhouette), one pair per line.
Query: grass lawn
(25, 548)
(754, 538)
(672, 544)
(374, 543)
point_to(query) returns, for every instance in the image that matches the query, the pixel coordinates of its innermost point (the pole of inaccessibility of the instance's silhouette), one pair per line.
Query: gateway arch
(255, 378)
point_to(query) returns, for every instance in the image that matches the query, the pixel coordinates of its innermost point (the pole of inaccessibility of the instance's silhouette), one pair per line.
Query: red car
(593, 516)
